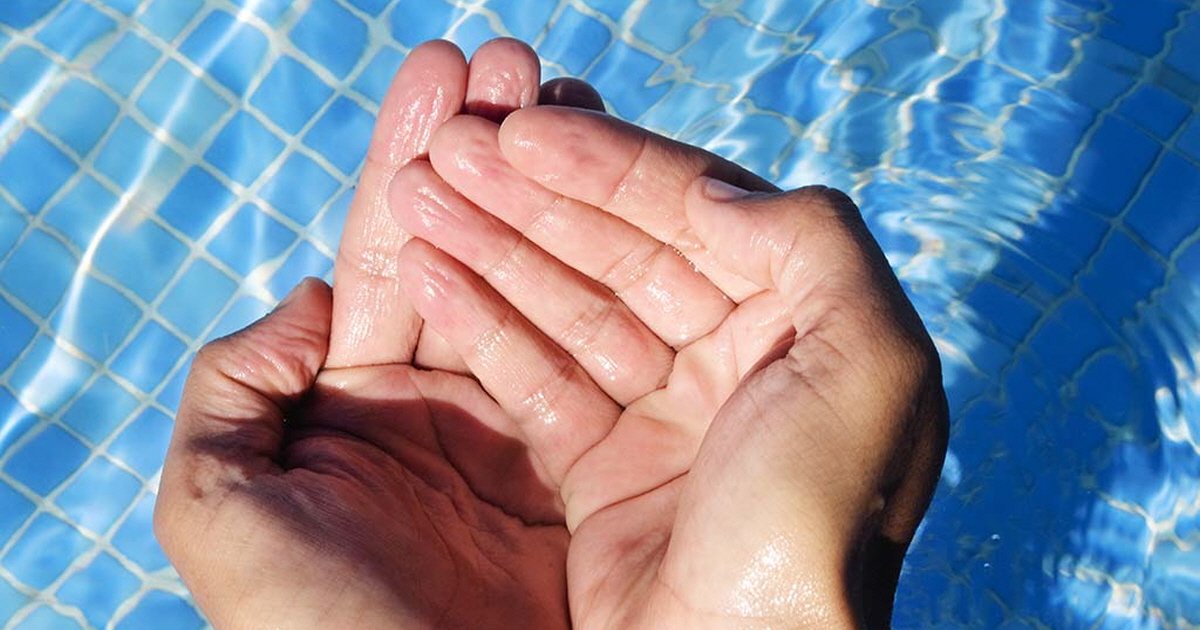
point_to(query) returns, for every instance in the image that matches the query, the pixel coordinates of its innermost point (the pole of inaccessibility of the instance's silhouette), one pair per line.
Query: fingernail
(717, 190)
(291, 295)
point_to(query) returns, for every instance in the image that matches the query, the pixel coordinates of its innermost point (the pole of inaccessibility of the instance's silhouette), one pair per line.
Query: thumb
(230, 421)
(776, 239)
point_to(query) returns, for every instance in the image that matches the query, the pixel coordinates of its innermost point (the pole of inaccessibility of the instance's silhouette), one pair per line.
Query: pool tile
(197, 297)
(299, 188)
(158, 609)
(417, 21)
(75, 28)
(143, 257)
(96, 318)
(725, 49)
(241, 313)
(99, 589)
(1035, 51)
(24, 13)
(1032, 138)
(776, 15)
(48, 376)
(47, 460)
(46, 618)
(304, 261)
(622, 67)
(126, 64)
(135, 538)
(38, 272)
(99, 409)
(180, 103)
(371, 7)
(1108, 183)
(801, 74)
(1106, 71)
(14, 509)
(151, 354)
(575, 40)
(228, 49)
(11, 600)
(243, 149)
(98, 495)
(17, 331)
(1155, 110)
(1006, 311)
(374, 80)
(1173, 180)
(78, 115)
(271, 11)
(290, 94)
(44, 551)
(194, 202)
(22, 70)
(33, 169)
(172, 392)
(79, 213)
(526, 20)
(131, 155)
(342, 134)
(328, 228)
(1185, 47)
(614, 9)
(1122, 275)
(471, 33)
(331, 36)
(250, 238)
(1139, 27)
(1188, 142)
(143, 443)
(166, 18)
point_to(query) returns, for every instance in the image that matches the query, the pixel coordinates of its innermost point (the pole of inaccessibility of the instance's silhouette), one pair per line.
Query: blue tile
(33, 169)
(38, 272)
(331, 35)
(143, 258)
(45, 618)
(160, 609)
(374, 80)
(242, 313)
(75, 28)
(47, 377)
(16, 331)
(1140, 26)
(1188, 142)
(17, 420)
(1165, 211)
(1185, 48)
(12, 225)
(131, 154)
(171, 393)
(1044, 132)
(99, 589)
(417, 21)
(195, 201)
(98, 495)
(841, 29)
(1037, 52)
(1121, 276)
(342, 134)
(575, 40)
(269, 10)
(96, 318)
(780, 87)
(471, 33)
(1109, 183)
(1155, 110)
(250, 239)
(668, 35)
(135, 537)
(166, 18)
(128, 61)
(124, 6)
(290, 94)
(11, 600)
(99, 409)
(776, 15)
(78, 115)
(44, 551)
(913, 58)
(304, 261)
(228, 49)
(243, 149)
(21, 71)
(524, 19)
(80, 211)
(623, 75)
(21, 14)
(371, 7)
(143, 444)
(196, 299)
(181, 103)
(14, 509)
(300, 188)
(614, 9)
(328, 228)
(46, 460)
(151, 355)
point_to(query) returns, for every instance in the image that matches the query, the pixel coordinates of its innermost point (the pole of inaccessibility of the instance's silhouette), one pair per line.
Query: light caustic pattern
(169, 168)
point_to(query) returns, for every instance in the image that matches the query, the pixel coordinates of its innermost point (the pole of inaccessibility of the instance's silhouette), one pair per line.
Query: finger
(659, 286)
(561, 412)
(434, 353)
(230, 421)
(372, 322)
(570, 92)
(624, 357)
(504, 77)
(636, 175)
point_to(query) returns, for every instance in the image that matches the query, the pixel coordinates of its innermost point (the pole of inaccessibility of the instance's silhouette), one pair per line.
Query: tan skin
(562, 380)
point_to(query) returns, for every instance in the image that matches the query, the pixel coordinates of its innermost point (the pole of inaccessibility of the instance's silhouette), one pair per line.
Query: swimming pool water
(169, 168)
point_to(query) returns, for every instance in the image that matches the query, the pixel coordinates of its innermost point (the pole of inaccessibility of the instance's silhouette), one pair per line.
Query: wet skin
(565, 377)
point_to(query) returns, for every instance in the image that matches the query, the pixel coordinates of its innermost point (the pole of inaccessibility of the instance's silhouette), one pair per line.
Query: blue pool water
(169, 168)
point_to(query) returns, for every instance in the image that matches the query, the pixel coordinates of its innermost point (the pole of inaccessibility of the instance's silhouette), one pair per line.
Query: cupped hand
(725, 384)
(331, 467)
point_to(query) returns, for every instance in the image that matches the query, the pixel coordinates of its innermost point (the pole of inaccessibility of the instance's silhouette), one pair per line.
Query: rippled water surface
(169, 168)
